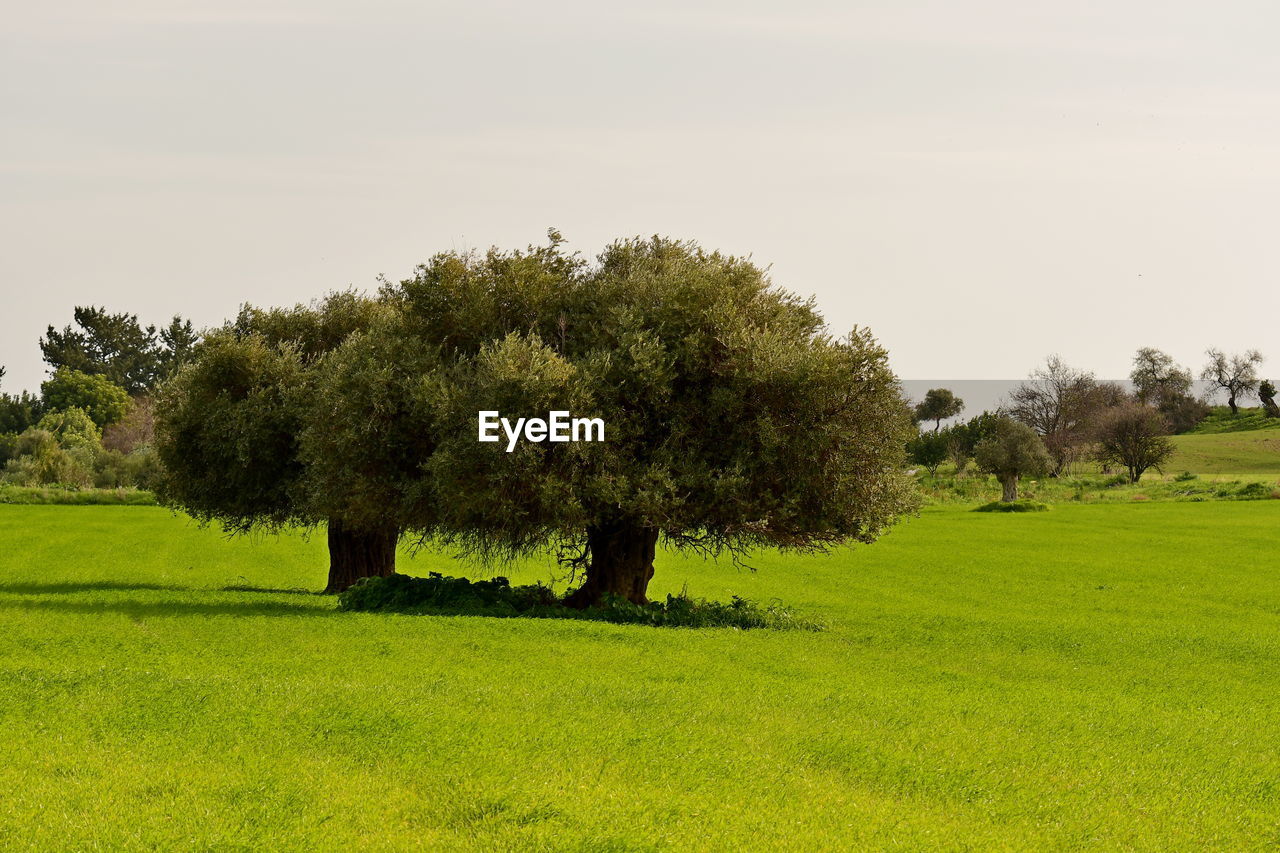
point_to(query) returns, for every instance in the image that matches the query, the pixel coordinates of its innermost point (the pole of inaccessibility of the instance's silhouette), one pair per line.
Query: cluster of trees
(1066, 415)
(733, 418)
(91, 424)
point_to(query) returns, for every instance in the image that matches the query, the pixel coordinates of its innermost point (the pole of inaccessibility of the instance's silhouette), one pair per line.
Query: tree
(732, 418)
(1267, 394)
(134, 430)
(18, 412)
(1235, 374)
(1057, 401)
(1012, 452)
(1157, 377)
(103, 400)
(228, 427)
(1134, 437)
(938, 405)
(177, 345)
(963, 439)
(118, 347)
(929, 449)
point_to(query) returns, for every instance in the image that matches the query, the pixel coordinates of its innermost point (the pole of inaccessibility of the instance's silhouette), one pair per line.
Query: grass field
(1096, 676)
(1237, 453)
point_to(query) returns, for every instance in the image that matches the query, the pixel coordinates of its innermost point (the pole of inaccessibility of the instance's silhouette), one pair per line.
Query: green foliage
(938, 405)
(733, 419)
(1185, 477)
(39, 459)
(38, 495)
(118, 347)
(929, 449)
(100, 398)
(1011, 452)
(1013, 506)
(436, 594)
(228, 425)
(19, 412)
(73, 428)
(1221, 420)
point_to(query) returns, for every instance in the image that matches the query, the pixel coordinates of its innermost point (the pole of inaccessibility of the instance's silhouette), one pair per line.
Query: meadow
(1097, 676)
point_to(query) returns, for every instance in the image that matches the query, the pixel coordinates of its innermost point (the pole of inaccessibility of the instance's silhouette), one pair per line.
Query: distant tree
(938, 405)
(1011, 452)
(1058, 402)
(177, 345)
(134, 430)
(929, 449)
(963, 438)
(103, 400)
(72, 428)
(1183, 412)
(1267, 394)
(18, 411)
(1235, 374)
(1134, 437)
(118, 347)
(1157, 377)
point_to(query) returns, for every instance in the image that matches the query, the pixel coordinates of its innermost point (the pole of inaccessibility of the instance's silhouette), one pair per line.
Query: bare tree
(1057, 401)
(1134, 437)
(1157, 378)
(1235, 374)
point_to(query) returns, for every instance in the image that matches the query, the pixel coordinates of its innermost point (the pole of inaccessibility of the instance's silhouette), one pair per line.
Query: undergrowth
(440, 595)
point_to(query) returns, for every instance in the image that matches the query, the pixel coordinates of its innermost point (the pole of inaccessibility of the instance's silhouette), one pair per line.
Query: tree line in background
(1062, 416)
(92, 422)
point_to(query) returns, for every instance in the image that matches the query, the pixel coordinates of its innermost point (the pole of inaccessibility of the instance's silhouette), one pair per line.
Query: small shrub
(1185, 477)
(1254, 492)
(1013, 506)
(440, 595)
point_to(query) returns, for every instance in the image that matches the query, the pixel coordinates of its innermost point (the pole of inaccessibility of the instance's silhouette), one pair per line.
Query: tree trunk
(1010, 489)
(621, 564)
(356, 554)
(1231, 401)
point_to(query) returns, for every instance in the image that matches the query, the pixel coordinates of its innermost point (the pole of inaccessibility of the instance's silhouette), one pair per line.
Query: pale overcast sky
(981, 183)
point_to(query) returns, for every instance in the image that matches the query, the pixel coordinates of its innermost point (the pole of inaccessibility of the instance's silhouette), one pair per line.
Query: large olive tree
(732, 417)
(229, 428)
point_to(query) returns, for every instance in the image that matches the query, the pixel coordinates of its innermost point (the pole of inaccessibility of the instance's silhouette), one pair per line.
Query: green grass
(75, 497)
(1221, 420)
(1254, 452)
(1099, 676)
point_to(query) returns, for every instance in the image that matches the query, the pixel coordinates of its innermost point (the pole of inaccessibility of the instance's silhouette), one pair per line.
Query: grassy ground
(1251, 452)
(1093, 676)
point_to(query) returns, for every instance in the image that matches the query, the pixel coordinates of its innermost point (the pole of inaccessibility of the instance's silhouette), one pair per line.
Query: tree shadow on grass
(146, 609)
(22, 588)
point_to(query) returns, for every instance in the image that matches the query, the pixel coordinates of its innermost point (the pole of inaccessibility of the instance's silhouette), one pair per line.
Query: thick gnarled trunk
(1010, 489)
(356, 553)
(621, 564)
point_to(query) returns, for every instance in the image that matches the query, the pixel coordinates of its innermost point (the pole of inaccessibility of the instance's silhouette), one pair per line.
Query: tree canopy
(103, 400)
(938, 405)
(229, 424)
(1012, 451)
(1235, 374)
(118, 347)
(733, 418)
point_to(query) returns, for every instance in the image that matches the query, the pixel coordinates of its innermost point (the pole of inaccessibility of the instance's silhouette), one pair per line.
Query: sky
(982, 184)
